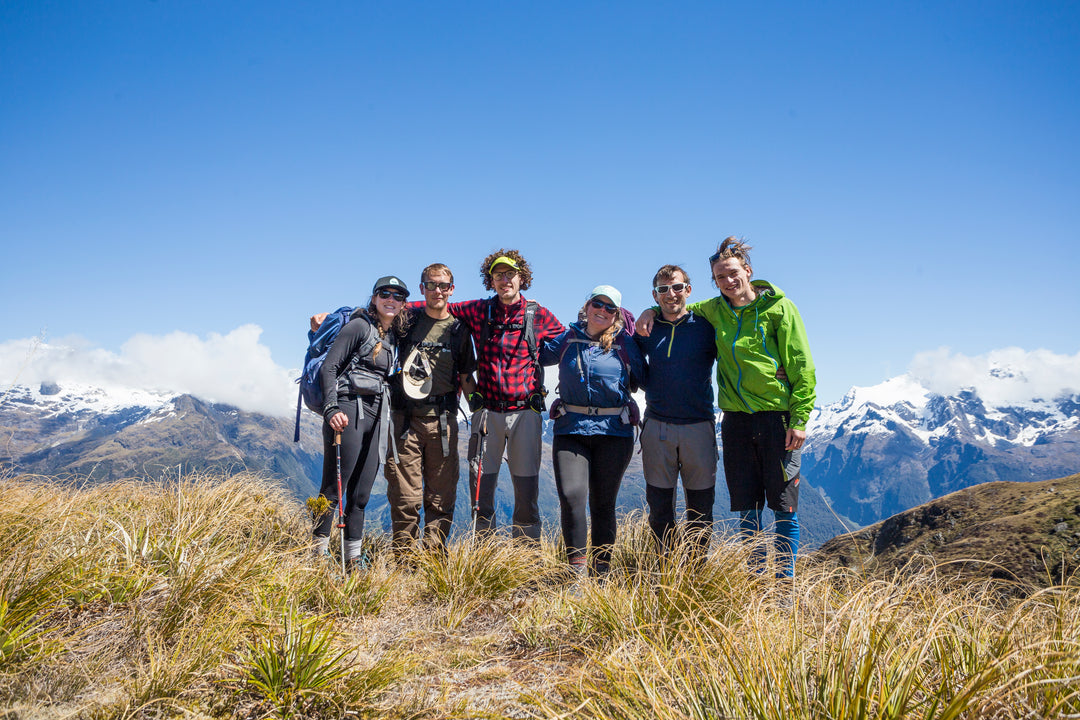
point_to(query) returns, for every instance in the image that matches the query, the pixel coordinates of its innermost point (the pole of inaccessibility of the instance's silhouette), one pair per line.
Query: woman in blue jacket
(599, 364)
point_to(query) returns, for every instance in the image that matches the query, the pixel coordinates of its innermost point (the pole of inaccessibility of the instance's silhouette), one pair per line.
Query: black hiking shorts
(757, 468)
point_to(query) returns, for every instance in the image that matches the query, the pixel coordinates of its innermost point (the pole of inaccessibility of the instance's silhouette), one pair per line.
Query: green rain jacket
(751, 343)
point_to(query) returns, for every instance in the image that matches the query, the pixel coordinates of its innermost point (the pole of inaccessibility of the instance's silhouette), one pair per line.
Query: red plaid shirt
(504, 368)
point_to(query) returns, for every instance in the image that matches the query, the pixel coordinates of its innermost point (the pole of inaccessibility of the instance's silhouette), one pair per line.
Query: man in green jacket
(758, 331)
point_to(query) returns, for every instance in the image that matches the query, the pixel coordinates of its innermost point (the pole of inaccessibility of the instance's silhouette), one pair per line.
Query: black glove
(476, 401)
(537, 403)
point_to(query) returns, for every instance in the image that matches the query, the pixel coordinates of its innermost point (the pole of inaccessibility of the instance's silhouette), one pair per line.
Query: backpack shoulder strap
(530, 331)
(485, 327)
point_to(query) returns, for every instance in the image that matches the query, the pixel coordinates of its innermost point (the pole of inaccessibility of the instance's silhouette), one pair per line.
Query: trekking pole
(340, 502)
(481, 431)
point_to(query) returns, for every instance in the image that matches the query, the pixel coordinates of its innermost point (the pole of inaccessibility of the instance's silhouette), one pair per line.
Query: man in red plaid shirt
(509, 401)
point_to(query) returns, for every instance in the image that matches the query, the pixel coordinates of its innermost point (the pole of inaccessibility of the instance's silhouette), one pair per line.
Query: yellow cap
(503, 260)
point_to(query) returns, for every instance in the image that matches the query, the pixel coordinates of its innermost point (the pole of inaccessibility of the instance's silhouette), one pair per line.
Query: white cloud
(233, 368)
(1000, 377)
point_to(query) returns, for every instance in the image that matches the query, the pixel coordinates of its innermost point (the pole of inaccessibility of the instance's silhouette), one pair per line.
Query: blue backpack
(319, 343)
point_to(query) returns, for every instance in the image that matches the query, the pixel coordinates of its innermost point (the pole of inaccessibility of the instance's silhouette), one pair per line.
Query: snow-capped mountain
(878, 451)
(890, 447)
(95, 433)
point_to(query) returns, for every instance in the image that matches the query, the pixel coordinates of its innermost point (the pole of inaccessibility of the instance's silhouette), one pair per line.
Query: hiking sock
(750, 532)
(354, 550)
(322, 545)
(661, 515)
(787, 542)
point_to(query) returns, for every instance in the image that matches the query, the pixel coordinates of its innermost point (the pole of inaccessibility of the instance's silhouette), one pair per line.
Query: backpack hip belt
(506, 405)
(590, 410)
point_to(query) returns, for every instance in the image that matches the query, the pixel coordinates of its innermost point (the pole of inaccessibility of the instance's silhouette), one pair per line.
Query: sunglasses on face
(674, 287)
(431, 285)
(396, 294)
(601, 305)
(504, 276)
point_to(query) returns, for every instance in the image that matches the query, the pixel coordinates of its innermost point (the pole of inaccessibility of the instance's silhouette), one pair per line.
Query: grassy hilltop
(201, 600)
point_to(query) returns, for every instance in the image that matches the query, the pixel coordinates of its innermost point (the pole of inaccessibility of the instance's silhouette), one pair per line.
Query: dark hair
(732, 247)
(436, 268)
(399, 325)
(668, 271)
(524, 272)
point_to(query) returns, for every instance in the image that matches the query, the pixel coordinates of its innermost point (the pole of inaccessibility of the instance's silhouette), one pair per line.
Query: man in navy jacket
(679, 432)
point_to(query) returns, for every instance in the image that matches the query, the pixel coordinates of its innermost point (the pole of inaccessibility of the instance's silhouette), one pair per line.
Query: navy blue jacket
(592, 377)
(679, 365)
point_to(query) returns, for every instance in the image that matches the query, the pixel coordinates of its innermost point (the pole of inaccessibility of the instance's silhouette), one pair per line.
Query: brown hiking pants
(424, 476)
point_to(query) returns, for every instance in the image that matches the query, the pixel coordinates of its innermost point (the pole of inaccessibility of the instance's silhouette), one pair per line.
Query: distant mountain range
(95, 434)
(887, 448)
(879, 451)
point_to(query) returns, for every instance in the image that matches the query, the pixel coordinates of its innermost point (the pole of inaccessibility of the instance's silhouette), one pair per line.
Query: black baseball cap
(390, 281)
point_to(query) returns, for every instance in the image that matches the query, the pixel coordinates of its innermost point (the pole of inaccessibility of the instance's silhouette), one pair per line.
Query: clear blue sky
(909, 173)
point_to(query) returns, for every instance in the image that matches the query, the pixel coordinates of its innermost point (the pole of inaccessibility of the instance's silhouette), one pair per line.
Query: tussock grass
(201, 598)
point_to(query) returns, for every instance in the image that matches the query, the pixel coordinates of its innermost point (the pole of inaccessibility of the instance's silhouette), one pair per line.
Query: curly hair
(608, 336)
(732, 247)
(524, 271)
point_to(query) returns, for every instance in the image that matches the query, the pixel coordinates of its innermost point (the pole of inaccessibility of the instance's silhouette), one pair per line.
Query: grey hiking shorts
(668, 449)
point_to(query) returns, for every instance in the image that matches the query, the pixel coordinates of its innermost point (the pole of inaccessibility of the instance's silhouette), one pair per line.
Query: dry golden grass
(202, 599)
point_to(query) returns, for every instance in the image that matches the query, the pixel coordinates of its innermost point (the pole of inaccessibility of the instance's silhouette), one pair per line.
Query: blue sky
(908, 173)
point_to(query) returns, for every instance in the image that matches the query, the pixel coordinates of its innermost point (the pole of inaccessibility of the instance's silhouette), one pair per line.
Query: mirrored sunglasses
(431, 285)
(674, 287)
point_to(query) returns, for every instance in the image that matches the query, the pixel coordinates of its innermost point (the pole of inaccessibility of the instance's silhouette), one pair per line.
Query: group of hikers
(392, 381)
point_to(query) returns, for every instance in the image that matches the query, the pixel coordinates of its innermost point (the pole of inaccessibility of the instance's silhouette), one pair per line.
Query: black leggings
(589, 467)
(360, 464)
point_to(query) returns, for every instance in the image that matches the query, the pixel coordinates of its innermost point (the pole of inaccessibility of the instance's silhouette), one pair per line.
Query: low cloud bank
(233, 368)
(1002, 377)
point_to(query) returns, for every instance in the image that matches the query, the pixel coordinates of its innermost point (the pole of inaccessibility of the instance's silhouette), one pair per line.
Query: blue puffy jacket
(591, 377)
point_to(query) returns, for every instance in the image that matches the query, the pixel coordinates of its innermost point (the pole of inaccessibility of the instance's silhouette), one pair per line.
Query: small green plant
(293, 668)
(22, 640)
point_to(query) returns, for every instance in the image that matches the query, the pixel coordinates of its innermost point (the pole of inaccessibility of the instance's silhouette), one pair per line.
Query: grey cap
(390, 281)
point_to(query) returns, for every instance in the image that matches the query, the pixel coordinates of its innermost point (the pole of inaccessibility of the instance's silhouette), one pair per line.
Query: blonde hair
(607, 338)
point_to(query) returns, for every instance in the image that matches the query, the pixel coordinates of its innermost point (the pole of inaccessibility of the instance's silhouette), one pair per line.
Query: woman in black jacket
(355, 381)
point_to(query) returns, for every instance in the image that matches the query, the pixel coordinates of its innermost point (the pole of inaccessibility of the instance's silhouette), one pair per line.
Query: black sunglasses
(674, 287)
(431, 285)
(601, 305)
(396, 294)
